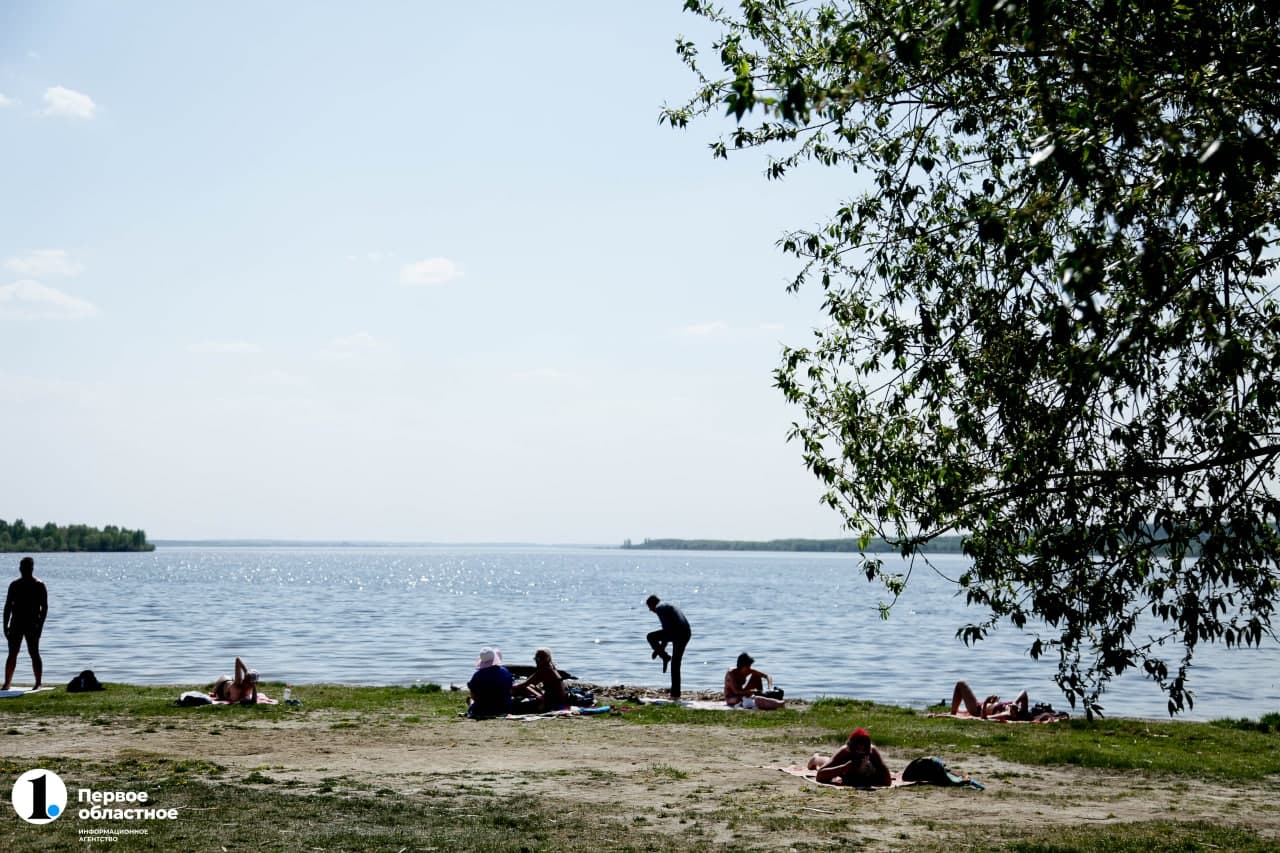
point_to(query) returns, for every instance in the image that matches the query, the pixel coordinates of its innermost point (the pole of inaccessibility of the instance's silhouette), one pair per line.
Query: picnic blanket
(21, 691)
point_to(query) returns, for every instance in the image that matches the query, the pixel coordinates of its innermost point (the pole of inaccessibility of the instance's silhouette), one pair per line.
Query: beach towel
(564, 712)
(698, 704)
(812, 776)
(193, 699)
(21, 691)
(1054, 717)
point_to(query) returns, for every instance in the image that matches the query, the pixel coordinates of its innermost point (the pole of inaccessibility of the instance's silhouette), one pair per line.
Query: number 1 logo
(39, 796)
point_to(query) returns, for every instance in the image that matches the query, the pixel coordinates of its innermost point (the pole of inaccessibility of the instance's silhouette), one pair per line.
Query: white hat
(489, 656)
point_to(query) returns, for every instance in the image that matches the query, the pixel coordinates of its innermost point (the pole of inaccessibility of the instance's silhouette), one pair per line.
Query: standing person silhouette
(25, 607)
(675, 630)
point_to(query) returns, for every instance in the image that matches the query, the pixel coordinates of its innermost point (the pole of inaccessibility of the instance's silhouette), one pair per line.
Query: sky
(419, 271)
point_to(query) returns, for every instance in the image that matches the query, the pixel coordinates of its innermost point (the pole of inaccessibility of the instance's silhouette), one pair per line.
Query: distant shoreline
(941, 545)
(357, 543)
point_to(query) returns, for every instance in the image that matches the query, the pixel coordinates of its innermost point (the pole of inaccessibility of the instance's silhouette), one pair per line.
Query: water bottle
(288, 693)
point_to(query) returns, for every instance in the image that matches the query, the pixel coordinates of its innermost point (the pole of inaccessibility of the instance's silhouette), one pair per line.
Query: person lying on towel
(242, 688)
(857, 764)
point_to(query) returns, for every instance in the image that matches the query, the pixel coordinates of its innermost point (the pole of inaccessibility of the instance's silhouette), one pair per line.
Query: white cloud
(60, 101)
(42, 263)
(224, 347)
(32, 299)
(702, 330)
(5, 102)
(430, 271)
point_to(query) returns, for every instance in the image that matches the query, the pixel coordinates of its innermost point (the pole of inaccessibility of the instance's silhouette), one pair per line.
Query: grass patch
(155, 703)
(1166, 836)
(666, 771)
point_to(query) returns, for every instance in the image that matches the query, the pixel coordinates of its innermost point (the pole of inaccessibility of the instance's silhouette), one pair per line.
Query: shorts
(18, 633)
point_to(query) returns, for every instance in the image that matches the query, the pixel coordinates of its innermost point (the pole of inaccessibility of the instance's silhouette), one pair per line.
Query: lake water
(406, 615)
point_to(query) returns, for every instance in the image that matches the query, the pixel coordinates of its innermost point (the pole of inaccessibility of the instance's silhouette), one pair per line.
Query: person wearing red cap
(857, 764)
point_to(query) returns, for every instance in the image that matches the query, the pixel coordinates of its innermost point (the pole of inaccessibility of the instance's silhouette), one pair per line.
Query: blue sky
(407, 271)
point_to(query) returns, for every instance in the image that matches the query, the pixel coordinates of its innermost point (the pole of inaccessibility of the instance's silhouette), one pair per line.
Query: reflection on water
(401, 615)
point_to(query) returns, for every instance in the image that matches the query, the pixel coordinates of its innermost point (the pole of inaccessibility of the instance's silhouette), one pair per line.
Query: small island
(18, 536)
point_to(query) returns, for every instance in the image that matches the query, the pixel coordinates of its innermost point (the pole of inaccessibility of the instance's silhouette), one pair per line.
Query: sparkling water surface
(415, 614)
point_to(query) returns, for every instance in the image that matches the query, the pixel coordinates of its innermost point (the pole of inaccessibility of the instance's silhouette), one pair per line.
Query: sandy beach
(723, 779)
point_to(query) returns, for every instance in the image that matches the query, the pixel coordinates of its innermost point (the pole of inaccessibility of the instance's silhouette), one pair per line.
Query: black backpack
(84, 683)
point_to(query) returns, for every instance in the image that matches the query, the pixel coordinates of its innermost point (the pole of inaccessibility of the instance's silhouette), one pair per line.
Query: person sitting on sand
(552, 696)
(490, 686)
(857, 764)
(743, 686)
(991, 708)
(242, 688)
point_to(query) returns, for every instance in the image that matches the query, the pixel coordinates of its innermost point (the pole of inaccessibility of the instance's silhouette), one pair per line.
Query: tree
(1051, 324)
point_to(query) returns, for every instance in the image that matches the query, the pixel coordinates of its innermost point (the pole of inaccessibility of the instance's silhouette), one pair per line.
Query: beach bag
(932, 771)
(579, 697)
(192, 698)
(84, 683)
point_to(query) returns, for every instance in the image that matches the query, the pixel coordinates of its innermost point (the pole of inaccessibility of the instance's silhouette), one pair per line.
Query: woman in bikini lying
(243, 688)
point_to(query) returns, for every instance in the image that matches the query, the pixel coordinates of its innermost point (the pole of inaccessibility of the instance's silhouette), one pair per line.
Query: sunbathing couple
(493, 690)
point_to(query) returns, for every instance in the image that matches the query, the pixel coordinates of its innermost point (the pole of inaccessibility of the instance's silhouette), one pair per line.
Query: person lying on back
(991, 708)
(242, 688)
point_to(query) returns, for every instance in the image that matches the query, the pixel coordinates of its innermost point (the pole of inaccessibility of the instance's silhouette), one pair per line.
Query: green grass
(1165, 836)
(156, 703)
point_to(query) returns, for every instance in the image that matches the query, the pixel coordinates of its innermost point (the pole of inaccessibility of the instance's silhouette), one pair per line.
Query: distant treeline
(941, 545)
(76, 537)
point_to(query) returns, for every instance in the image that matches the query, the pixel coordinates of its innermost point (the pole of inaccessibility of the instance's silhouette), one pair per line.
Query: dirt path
(668, 776)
